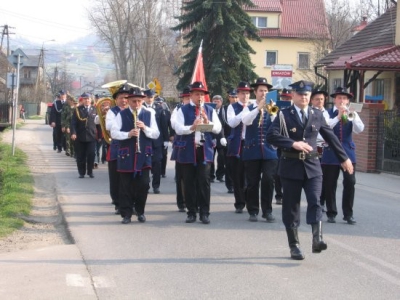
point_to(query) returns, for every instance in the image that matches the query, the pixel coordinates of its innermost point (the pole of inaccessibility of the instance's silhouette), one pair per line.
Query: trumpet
(200, 116)
(347, 115)
(271, 108)
(135, 116)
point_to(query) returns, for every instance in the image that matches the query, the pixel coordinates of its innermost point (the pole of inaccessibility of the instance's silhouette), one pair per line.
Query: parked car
(48, 111)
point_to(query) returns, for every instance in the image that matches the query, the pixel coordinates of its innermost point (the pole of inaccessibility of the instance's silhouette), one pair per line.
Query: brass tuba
(104, 104)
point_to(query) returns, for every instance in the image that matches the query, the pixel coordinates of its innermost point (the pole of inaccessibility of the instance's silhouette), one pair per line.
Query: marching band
(263, 147)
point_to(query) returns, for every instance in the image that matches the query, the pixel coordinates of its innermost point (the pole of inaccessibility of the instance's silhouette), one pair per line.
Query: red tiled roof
(382, 58)
(299, 19)
(265, 5)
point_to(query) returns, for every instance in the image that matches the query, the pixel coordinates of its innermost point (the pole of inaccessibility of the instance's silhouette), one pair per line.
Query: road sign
(11, 80)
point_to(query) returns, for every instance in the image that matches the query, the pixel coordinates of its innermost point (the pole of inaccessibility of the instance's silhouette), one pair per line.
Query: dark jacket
(82, 124)
(294, 168)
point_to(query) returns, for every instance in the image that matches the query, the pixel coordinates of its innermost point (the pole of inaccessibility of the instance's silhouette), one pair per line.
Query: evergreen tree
(224, 28)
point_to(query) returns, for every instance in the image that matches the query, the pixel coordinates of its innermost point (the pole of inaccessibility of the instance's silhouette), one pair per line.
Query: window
(337, 82)
(27, 74)
(259, 22)
(271, 58)
(382, 88)
(304, 61)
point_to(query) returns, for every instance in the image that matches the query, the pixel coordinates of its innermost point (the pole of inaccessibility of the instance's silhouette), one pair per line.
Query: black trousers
(196, 181)
(180, 199)
(255, 171)
(278, 187)
(164, 161)
(238, 180)
(331, 175)
(58, 135)
(85, 157)
(134, 190)
(156, 167)
(228, 171)
(292, 195)
(114, 180)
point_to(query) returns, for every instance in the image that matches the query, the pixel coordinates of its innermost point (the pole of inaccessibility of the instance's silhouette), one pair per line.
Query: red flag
(198, 72)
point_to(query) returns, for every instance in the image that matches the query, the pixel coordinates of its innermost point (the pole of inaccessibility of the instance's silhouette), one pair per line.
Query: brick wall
(366, 142)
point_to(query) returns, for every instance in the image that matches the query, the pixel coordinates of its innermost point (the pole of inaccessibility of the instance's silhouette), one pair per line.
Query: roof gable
(379, 33)
(299, 19)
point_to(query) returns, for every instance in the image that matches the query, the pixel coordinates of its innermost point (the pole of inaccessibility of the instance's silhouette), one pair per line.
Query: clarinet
(134, 113)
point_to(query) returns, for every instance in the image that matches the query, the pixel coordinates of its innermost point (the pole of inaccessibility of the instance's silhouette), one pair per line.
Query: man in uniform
(66, 117)
(162, 140)
(221, 143)
(235, 144)
(196, 152)
(180, 194)
(260, 158)
(343, 129)
(286, 95)
(135, 128)
(83, 131)
(55, 121)
(121, 101)
(295, 131)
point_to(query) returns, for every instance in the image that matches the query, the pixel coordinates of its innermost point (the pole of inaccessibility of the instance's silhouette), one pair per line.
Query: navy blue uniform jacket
(294, 168)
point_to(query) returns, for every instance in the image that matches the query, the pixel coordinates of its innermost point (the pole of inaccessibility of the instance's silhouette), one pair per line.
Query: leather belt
(299, 155)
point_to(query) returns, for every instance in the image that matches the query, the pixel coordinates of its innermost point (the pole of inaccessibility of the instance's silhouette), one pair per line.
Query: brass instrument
(135, 117)
(103, 104)
(200, 116)
(271, 108)
(348, 115)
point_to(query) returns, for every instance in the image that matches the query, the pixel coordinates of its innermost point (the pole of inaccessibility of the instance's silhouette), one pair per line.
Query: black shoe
(239, 210)
(156, 190)
(182, 209)
(204, 219)
(191, 219)
(91, 175)
(318, 243)
(349, 220)
(230, 191)
(54, 148)
(96, 166)
(117, 211)
(163, 176)
(253, 218)
(278, 201)
(270, 218)
(59, 151)
(212, 180)
(126, 220)
(220, 179)
(67, 154)
(141, 218)
(295, 253)
(81, 176)
(331, 220)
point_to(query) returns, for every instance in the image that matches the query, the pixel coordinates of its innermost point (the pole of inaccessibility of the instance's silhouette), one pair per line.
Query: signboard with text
(281, 76)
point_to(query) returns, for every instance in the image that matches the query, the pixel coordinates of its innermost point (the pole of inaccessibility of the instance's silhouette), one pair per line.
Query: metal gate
(388, 144)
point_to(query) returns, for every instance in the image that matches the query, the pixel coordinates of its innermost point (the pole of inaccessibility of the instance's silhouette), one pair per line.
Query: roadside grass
(16, 189)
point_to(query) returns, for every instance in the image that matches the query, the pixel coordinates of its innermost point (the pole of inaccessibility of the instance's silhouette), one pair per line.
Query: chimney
(397, 38)
(362, 25)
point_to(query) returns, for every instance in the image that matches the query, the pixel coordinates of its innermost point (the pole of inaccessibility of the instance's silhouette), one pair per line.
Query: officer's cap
(302, 87)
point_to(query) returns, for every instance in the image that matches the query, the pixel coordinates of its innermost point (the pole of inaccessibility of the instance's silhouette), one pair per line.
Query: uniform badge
(301, 85)
(293, 129)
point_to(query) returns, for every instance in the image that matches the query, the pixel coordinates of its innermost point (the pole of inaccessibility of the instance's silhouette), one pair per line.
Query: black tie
(303, 117)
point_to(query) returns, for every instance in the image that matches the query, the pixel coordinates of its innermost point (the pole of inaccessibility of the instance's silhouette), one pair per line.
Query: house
(294, 35)
(368, 64)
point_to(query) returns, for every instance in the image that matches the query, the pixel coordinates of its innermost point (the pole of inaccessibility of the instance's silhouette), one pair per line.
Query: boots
(317, 242)
(294, 244)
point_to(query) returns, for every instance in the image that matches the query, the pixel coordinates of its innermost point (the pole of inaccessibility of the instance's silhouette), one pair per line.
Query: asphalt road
(231, 258)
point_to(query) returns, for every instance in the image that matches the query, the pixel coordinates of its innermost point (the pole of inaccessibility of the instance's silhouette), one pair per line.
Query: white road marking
(103, 282)
(75, 280)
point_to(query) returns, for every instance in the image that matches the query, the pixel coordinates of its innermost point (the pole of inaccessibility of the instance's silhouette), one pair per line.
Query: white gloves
(166, 144)
(223, 142)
